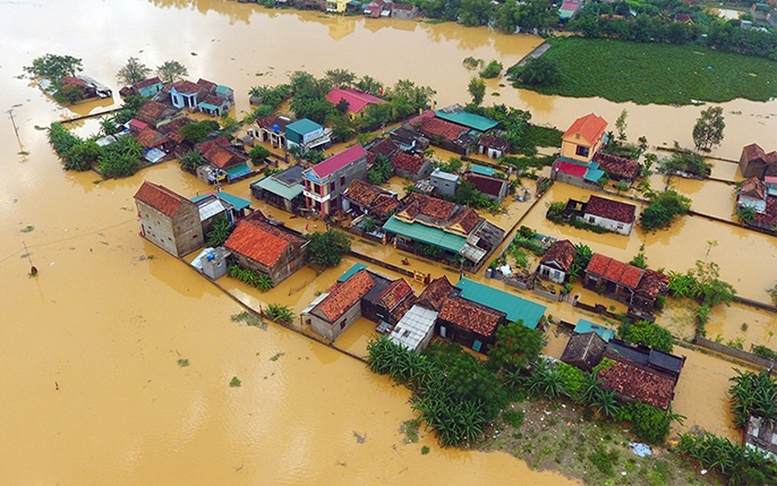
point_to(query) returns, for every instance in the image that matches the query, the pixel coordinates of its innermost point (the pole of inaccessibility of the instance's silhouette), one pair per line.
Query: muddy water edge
(95, 386)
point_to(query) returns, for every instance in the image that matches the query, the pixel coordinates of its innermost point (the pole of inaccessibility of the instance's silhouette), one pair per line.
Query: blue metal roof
(483, 170)
(355, 268)
(515, 307)
(303, 126)
(584, 327)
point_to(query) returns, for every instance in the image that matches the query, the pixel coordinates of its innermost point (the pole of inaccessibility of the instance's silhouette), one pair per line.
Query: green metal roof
(271, 184)
(222, 90)
(238, 202)
(584, 327)
(515, 307)
(468, 119)
(594, 173)
(303, 126)
(483, 170)
(355, 268)
(238, 170)
(425, 234)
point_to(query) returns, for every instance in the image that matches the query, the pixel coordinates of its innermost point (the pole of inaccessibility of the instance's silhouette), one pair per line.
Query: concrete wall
(179, 235)
(444, 186)
(331, 331)
(554, 275)
(612, 225)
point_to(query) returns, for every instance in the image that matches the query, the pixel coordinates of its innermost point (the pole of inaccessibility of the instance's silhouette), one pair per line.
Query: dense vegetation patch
(655, 73)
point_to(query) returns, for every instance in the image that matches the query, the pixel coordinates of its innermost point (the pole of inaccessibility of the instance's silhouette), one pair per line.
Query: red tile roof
(618, 167)
(160, 198)
(338, 161)
(615, 271)
(611, 209)
(153, 110)
(356, 99)
(149, 138)
(208, 85)
(753, 187)
(205, 146)
(272, 120)
(438, 126)
(590, 127)
(147, 82)
(345, 295)
(397, 290)
(497, 143)
(72, 81)
(432, 207)
(185, 87)
(384, 204)
(173, 128)
(562, 252)
(222, 158)
(486, 184)
(471, 316)
(638, 383)
(260, 242)
(386, 147)
(363, 193)
(435, 293)
(137, 124)
(410, 163)
(652, 284)
(468, 219)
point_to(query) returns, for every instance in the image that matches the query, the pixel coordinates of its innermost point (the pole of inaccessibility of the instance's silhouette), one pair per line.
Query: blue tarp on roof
(584, 327)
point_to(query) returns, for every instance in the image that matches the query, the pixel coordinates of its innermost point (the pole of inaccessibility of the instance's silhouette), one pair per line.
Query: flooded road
(93, 389)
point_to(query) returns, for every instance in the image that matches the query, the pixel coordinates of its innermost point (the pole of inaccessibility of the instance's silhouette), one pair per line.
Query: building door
(477, 345)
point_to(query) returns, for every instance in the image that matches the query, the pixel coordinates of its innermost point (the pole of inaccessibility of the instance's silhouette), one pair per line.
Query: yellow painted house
(336, 6)
(584, 138)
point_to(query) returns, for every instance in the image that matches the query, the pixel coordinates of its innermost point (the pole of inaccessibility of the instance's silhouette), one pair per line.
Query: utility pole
(16, 131)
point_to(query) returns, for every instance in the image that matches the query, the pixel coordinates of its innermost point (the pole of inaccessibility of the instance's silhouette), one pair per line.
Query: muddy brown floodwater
(92, 389)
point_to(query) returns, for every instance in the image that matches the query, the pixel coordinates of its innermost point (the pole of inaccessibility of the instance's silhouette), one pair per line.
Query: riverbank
(663, 74)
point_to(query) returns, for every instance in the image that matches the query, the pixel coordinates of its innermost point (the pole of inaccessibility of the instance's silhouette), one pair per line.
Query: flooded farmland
(93, 391)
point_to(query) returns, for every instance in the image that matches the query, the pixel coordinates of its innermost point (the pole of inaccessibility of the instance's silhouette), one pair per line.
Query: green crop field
(656, 73)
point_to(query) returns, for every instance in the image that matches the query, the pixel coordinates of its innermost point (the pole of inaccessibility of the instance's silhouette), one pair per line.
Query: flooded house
(468, 323)
(636, 373)
(87, 86)
(409, 139)
(492, 147)
(761, 197)
(147, 88)
(307, 135)
(168, 220)
(435, 293)
(453, 128)
(443, 230)
(610, 214)
(266, 248)
(326, 181)
(224, 204)
(387, 301)
(363, 198)
(271, 129)
(155, 113)
(444, 183)
(358, 102)
(283, 190)
(755, 162)
(223, 163)
(203, 96)
(386, 147)
(404, 11)
(556, 262)
(618, 168)
(624, 282)
(156, 145)
(415, 329)
(491, 187)
(583, 138)
(413, 167)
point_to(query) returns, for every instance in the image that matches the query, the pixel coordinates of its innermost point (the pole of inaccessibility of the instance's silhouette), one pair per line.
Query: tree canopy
(516, 347)
(54, 67)
(708, 130)
(326, 249)
(133, 72)
(171, 71)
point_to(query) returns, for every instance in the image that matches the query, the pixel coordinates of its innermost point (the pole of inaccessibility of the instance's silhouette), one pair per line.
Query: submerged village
(458, 250)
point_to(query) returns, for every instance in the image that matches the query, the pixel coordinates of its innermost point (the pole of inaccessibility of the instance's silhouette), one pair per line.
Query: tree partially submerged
(708, 130)
(516, 346)
(132, 72)
(54, 67)
(326, 249)
(170, 71)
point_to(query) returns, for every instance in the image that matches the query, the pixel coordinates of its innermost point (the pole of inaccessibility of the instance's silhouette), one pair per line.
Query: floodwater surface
(117, 358)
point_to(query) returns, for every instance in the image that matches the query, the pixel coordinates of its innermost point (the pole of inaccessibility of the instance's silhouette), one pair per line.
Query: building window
(592, 220)
(332, 186)
(620, 225)
(307, 185)
(582, 151)
(342, 181)
(342, 324)
(317, 189)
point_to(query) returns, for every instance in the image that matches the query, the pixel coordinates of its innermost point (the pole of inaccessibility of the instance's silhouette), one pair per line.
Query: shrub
(650, 424)
(647, 334)
(513, 418)
(492, 70)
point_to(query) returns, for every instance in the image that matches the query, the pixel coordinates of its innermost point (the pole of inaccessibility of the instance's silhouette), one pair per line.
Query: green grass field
(657, 73)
